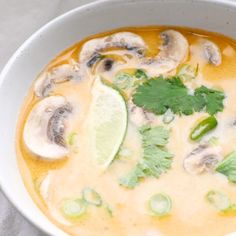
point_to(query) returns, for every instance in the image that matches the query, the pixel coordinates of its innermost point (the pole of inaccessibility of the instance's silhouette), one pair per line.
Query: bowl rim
(41, 30)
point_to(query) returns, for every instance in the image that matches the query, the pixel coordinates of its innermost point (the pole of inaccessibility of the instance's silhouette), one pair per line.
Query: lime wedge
(108, 120)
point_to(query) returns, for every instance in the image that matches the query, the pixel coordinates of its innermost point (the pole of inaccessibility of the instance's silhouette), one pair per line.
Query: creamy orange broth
(191, 214)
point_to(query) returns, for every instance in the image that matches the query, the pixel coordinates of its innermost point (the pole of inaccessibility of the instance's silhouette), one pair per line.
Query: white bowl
(45, 44)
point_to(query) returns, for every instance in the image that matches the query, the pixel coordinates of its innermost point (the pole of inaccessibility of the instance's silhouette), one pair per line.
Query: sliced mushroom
(202, 159)
(45, 128)
(211, 52)
(139, 116)
(173, 51)
(47, 80)
(90, 52)
(206, 52)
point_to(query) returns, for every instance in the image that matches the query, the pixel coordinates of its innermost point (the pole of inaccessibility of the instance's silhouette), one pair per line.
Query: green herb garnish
(73, 208)
(140, 74)
(157, 95)
(123, 80)
(188, 72)
(220, 201)
(160, 205)
(227, 167)
(108, 209)
(212, 99)
(155, 161)
(92, 197)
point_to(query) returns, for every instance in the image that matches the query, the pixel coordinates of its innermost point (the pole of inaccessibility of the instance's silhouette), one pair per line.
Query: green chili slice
(203, 128)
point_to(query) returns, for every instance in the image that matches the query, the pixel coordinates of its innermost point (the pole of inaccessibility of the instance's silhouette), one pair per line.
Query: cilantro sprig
(159, 94)
(156, 159)
(227, 167)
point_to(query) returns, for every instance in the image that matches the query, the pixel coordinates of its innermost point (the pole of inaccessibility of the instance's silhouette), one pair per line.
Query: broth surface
(50, 182)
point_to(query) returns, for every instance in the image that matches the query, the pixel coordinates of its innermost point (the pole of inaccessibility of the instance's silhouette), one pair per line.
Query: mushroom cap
(125, 40)
(211, 52)
(45, 127)
(174, 46)
(138, 116)
(202, 159)
(206, 52)
(173, 51)
(47, 80)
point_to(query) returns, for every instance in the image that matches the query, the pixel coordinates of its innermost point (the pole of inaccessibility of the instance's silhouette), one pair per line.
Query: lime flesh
(107, 122)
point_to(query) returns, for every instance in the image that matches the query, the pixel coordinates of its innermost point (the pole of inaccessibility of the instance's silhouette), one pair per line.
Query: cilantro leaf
(227, 167)
(158, 95)
(132, 179)
(155, 161)
(154, 136)
(140, 74)
(212, 99)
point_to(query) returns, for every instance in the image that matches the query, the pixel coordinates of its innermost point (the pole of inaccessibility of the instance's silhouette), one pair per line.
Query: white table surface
(18, 20)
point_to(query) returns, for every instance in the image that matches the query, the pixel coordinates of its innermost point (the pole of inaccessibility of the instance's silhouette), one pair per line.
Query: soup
(133, 132)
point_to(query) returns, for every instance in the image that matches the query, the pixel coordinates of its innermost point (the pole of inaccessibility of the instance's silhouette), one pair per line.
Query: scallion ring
(123, 81)
(218, 200)
(92, 197)
(160, 204)
(73, 208)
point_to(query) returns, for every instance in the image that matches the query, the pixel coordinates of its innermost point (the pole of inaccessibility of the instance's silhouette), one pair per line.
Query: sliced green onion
(168, 117)
(72, 138)
(188, 72)
(160, 204)
(123, 80)
(196, 70)
(140, 74)
(218, 200)
(108, 209)
(92, 197)
(74, 208)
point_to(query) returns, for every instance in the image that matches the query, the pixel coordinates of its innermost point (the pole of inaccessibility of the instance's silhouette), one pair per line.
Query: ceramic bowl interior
(45, 44)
